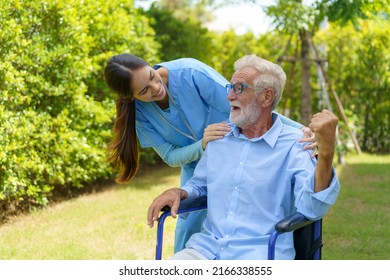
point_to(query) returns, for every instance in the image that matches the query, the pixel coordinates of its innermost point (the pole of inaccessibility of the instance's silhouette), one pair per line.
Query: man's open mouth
(235, 108)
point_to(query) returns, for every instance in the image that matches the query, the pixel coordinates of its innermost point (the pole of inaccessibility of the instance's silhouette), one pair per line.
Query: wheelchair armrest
(293, 222)
(188, 203)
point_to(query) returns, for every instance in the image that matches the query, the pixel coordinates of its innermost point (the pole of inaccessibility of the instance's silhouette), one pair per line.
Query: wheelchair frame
(307, 233)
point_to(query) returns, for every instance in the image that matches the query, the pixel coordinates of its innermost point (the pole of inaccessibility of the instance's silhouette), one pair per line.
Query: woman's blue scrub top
(199, 99)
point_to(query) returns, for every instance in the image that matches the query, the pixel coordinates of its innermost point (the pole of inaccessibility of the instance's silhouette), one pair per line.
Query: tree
(292, 17)
(359, 65)
(179, 37)
(189, 9)
(55, 111)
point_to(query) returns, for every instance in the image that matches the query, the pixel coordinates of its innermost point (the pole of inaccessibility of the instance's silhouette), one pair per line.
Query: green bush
(56, 113)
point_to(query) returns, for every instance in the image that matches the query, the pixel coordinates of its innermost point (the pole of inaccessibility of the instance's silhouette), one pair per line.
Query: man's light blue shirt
(252, 184)
(198, 98)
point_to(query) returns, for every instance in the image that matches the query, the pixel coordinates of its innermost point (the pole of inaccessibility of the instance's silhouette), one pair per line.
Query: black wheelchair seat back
(308, 241)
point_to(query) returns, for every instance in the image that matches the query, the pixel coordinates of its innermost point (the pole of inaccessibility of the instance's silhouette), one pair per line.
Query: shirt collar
(270, 137)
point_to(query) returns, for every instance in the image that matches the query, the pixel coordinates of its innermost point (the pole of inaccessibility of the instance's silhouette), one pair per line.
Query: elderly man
(257, 174)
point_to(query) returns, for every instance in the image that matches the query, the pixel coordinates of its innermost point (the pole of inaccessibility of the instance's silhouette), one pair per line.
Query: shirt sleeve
(212, 88)
(147, 134)
(289, 122)
(313, 205)
(197, 185)
(176, 156)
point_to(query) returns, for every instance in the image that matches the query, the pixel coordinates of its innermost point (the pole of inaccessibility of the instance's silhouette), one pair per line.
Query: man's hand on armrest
(171, 198)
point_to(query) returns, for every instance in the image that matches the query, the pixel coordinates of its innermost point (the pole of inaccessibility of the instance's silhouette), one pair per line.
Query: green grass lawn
(112, 224)
(102, 226)
(358, 225)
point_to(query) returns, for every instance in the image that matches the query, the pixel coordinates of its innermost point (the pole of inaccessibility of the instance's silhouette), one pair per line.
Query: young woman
(176, 107)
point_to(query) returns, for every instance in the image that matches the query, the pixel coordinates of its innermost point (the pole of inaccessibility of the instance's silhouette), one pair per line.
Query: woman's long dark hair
(123, 149)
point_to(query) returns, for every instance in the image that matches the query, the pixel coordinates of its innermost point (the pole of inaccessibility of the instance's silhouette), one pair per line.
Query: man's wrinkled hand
(169, 198)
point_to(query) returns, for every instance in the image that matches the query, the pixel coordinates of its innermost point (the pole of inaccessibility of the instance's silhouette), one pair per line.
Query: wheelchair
(307, 233)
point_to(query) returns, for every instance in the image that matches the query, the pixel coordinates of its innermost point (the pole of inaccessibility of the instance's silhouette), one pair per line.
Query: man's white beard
(247, 116)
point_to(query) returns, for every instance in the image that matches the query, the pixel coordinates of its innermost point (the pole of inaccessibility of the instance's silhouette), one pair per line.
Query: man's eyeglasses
(237, 87)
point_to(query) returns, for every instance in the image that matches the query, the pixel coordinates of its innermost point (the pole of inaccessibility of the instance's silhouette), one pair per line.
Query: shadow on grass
(150, 176)
(146, 178)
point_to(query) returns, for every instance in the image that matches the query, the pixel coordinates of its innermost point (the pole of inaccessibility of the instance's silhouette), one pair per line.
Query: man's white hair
(271, 75)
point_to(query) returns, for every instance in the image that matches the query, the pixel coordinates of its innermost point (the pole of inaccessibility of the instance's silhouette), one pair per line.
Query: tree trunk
(306, 112)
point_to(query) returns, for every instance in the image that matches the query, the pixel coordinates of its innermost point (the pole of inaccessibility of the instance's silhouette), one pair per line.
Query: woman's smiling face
(147, 85)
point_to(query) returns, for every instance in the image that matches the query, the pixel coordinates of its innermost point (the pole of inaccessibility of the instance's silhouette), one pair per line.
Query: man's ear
(268, 97)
